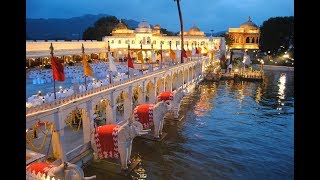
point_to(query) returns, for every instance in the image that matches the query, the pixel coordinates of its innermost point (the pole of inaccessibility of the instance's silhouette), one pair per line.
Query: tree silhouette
(102, 27)
(277, 34)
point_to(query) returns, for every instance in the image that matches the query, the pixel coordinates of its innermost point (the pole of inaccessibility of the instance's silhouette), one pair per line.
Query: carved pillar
(86, 121)
(113, 106)
(58, 145)
(143, 92)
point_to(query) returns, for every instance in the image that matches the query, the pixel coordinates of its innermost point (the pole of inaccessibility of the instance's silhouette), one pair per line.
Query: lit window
(112, 41)
(119, 42)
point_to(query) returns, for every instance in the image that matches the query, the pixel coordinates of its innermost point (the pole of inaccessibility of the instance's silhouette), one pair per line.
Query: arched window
(236, 39)
(252, 40)
(148, 40)
(119, 42)
(247, 40)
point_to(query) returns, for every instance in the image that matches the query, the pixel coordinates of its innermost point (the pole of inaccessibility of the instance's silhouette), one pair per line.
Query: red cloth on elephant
(37, 167)
(144, 114)
(106, 140)
(168, 95)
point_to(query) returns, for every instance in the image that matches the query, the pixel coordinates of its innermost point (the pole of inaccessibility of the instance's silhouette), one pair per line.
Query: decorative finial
(249, 19)
(82, 48)
(120, 21)
(51, 49)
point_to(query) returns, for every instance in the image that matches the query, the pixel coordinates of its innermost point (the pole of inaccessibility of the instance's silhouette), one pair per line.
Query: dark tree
(165, 31)
(228, 38)
(102, 27)
(277, 34)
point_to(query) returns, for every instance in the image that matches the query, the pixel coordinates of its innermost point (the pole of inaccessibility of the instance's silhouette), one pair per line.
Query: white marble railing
(45, 107)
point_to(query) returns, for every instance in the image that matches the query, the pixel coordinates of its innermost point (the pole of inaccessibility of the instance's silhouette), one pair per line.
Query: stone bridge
(114, 102)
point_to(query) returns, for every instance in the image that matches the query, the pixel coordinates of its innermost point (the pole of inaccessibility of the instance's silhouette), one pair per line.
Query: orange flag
(172, 55)
(86, 67)
(57, 69)
(188, 53)
(199, 49)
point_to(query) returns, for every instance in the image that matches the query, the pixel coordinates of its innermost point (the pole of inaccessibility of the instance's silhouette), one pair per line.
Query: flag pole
(160, 55)
(128, 60)
(109, 63)
(191, 50)
(85, 77)
(54, 82)
(151, 57)
(170, 53)
(142, 60)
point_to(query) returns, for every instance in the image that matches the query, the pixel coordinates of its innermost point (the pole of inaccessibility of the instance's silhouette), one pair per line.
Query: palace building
(246, 37)
(121, 38)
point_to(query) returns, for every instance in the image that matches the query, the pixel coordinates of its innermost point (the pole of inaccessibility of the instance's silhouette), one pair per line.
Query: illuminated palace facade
(147, 38)
(143, 37)
(246, 37)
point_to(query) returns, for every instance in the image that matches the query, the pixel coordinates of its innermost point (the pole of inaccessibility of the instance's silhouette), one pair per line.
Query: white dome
(143, 24)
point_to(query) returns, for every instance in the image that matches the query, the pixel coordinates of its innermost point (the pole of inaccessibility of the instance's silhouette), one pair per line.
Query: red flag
(130, 62)
(197, 50)
(57, 69)
(223, 58)
(184, 53)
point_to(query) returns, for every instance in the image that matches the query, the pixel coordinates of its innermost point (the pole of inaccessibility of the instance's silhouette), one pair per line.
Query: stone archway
(174, 81)
(74, 128)
(137, 97)
(159, 86)
(180, 79)
(103, 111)
(168, 83)
(185, 76)
(150, 94)
(123, 111)
(190, 74)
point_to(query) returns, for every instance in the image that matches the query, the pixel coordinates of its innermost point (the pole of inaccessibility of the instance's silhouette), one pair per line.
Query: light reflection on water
(231, 130)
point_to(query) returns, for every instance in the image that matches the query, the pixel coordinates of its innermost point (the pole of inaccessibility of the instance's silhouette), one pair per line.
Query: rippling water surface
(231, 130)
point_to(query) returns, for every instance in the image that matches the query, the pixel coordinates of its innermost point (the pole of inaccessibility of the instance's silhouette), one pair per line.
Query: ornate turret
(249, 25)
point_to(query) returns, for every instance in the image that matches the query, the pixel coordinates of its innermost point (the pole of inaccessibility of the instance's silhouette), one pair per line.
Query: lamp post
(161, 54)
(109, 62)
(85, 77)
(54, 81)
(181, 27)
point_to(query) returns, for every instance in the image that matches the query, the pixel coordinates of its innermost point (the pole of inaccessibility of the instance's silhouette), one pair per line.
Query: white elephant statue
(65, 171)
(172, 98)
(150, 114)
(114, 141)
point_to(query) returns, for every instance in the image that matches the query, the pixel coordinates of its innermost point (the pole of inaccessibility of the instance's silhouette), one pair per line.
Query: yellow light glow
(286, 56)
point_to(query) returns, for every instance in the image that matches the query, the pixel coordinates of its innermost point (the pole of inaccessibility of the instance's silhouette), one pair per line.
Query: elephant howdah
(106, 141)
(167, 95)
(39, 167)
(66, 171)
(144, 114)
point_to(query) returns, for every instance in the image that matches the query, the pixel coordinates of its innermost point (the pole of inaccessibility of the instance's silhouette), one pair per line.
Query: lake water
(231, 130)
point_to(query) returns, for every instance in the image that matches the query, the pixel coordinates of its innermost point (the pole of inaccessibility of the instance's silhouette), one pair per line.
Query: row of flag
(58, 69)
